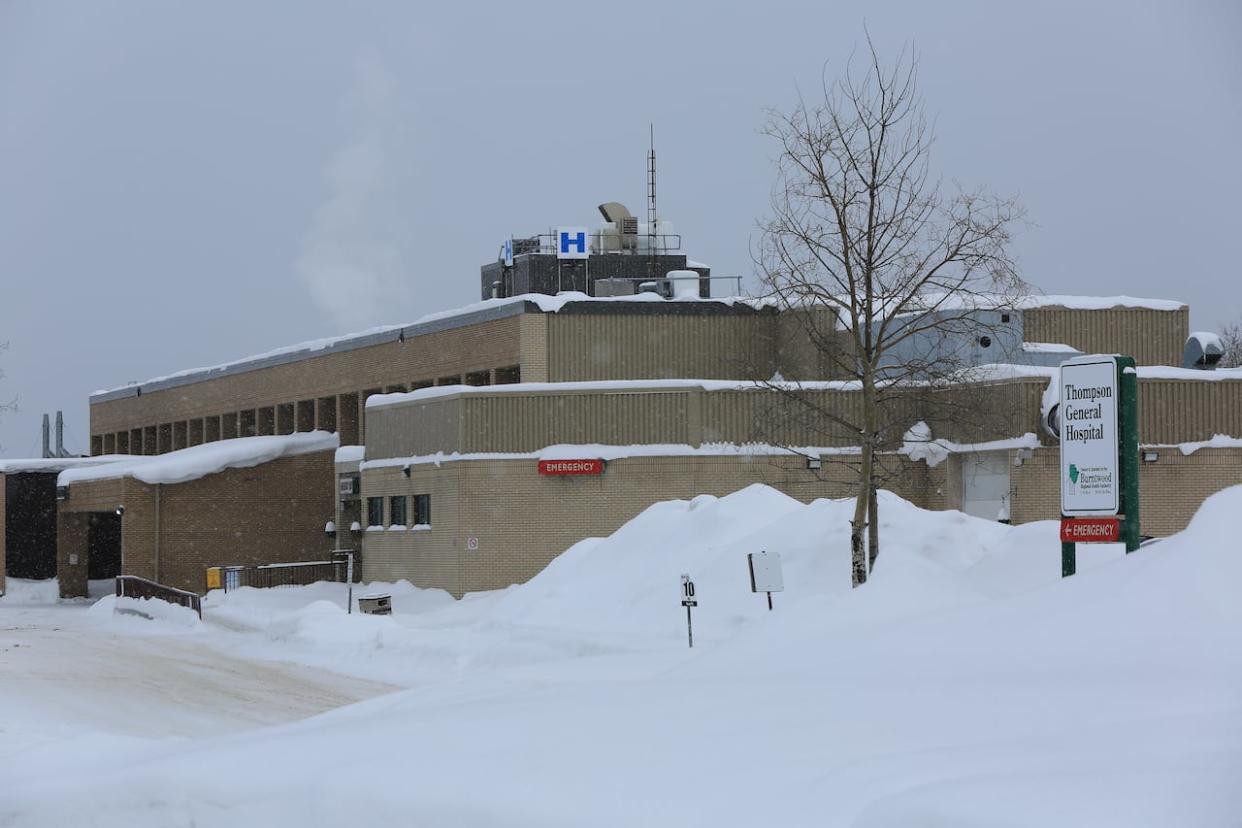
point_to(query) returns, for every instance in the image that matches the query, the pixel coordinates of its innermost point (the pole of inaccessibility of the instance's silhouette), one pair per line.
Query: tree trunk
(858, 553)
(873, 526)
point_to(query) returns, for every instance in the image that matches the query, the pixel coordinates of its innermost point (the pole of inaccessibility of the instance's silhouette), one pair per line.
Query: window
(479, 378)
(375, 511)
(508, 375)
(422, 510)
(396, 510)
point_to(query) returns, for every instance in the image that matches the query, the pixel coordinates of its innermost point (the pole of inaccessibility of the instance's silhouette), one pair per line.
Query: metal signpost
(765, 573)
(348, 554)
(688, 600)
(1099, 454)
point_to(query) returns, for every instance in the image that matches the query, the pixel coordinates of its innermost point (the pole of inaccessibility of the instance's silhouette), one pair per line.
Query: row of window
(281, 418)
(398, 511)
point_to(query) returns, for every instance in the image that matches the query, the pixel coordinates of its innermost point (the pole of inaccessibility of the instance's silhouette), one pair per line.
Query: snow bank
(23, 592)
(209, 458)
(137, 613)
(628, 584)
(966, 684)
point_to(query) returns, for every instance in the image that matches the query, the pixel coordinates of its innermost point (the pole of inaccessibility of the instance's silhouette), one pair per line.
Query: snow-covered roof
(1096, 302)
(934, 301)
(483, 311)
(1168, 372)
(991, 372)
(350, 454)
(199, 461)
(55, 464)
(1048, 348)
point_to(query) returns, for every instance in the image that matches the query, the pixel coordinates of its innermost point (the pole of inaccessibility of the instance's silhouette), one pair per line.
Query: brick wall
(396, 364)
(521, 520)
(271, 513)
(1170, 490)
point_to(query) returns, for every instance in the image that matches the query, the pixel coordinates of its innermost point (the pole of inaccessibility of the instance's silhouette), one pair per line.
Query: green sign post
(1099, 455)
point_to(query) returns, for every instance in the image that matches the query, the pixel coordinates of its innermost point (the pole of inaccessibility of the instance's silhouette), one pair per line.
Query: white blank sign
(765, 572)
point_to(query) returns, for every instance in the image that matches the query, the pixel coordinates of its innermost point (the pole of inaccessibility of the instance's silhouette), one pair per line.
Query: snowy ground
(967, 684)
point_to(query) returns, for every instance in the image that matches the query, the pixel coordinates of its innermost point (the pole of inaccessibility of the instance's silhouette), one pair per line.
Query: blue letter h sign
(578, 241)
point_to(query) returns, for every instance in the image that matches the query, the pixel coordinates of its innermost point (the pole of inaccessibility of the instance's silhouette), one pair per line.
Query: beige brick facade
(325, 392)
(1171, 489)
(272, 513)
(520, 520)
(1152, 337)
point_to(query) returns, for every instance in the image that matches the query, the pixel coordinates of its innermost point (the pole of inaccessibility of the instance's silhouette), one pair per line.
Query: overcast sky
(185, 184)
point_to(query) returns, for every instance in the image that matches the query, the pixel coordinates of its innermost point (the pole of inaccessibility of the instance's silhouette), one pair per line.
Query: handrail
(132, 586)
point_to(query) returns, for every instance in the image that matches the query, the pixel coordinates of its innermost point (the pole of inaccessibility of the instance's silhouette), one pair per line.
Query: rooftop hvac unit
(620, 233)
(1203, 351)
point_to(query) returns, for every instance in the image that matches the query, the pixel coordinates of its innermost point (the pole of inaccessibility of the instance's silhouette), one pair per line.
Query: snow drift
(965, 684)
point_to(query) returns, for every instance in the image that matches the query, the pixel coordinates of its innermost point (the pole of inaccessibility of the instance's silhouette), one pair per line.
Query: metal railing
(546, 243)
(131, 586)
(268, 576)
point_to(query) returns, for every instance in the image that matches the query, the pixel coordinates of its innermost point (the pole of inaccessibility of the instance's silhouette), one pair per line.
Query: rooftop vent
(1203, 351)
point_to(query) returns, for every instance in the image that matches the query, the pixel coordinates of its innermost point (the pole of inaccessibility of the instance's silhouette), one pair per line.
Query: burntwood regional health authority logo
(1073, 474)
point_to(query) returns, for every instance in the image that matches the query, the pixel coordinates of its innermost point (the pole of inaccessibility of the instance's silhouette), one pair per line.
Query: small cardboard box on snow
(765, 572)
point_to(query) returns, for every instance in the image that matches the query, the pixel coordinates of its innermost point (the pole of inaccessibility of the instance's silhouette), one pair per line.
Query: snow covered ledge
(199, 461)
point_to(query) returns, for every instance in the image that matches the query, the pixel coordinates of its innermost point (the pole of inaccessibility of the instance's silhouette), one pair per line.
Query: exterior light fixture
(814, 463)
(1151, 456)
(329, 529)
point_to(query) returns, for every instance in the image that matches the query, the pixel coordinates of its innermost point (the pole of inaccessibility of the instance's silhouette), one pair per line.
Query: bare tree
(897, 280)
(1231, 341)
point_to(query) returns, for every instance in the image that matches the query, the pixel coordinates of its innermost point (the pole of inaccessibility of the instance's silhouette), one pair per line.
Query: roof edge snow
(484, 311)
(192, 463)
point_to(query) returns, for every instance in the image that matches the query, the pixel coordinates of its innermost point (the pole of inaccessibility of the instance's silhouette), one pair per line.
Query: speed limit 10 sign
(687, 592)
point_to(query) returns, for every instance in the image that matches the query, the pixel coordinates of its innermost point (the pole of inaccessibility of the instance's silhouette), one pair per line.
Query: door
(985, 484)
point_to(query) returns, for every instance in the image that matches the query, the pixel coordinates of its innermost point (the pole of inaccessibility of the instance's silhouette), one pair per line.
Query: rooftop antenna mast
(651, 208)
